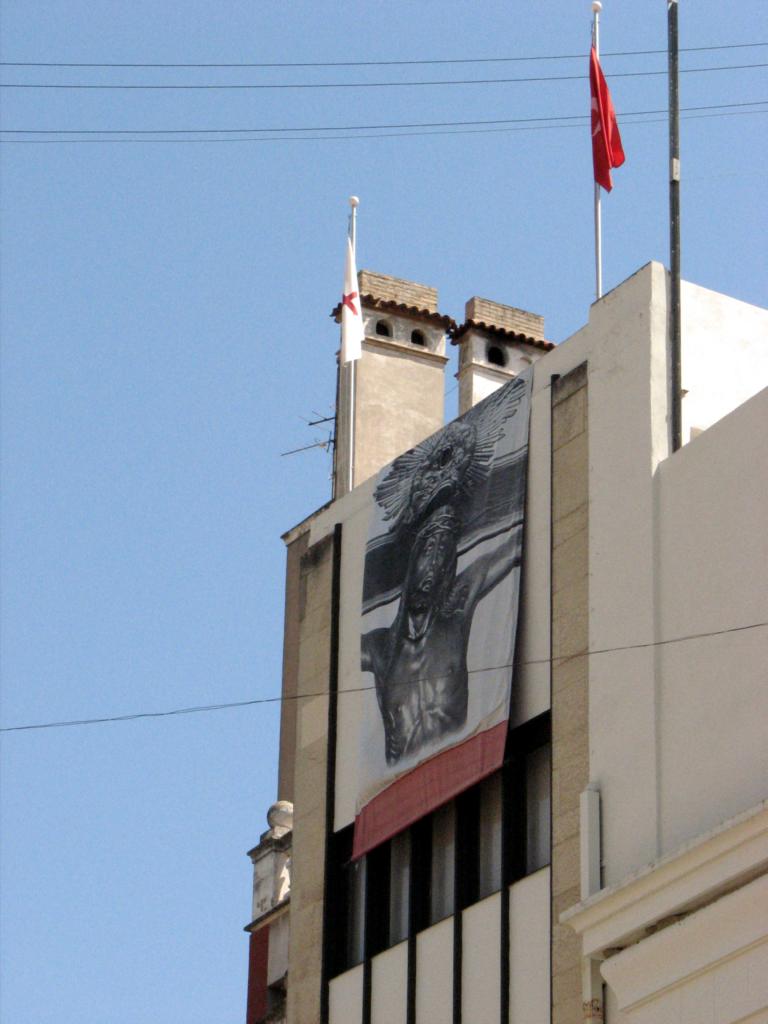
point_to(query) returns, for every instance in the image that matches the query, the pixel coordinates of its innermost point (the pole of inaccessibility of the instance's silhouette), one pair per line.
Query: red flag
(607, 151)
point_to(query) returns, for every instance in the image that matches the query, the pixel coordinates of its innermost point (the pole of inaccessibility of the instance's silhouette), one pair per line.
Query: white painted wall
(676, 545)
(434, 980)
(481, 963)
(724, 355)
(346, 997)
(277, 950)
(529, 949)
(389, 976)
(712, 561)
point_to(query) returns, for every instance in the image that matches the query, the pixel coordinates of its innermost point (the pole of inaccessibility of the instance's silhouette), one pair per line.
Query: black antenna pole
(675, 329)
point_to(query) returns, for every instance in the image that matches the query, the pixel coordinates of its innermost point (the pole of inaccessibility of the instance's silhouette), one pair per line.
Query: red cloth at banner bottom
(428, 787)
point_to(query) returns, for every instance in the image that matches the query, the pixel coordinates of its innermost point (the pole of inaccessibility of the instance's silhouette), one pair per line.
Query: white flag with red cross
(352, 332)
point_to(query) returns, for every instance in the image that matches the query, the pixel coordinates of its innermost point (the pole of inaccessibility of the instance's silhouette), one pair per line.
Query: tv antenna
(326, 444)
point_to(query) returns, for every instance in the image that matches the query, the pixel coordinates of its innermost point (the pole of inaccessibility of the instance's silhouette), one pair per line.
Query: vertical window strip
(399, 887)
(492, 835)
(489, 854)
(443, 863)
(538, 810)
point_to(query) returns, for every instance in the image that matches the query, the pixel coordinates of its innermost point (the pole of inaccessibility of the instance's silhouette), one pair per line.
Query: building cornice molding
(269, 916)
(410, 352)
(304, 526)
(680, 883)
(709, 942)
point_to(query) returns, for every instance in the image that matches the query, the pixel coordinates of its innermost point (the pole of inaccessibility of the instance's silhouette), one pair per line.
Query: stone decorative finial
(280, 818)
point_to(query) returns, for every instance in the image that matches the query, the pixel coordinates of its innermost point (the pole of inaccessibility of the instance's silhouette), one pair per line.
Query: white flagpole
(596, 9)
(354, 202)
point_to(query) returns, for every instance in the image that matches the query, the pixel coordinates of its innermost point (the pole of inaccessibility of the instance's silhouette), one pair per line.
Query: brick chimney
(399, 381)
(496, 343)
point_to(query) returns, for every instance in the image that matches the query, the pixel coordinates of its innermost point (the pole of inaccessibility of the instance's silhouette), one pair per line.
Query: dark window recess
(355, 917)
(383, 328)
(443, 865)
(467, 847)
(421, 874)
(493, 834)
(417, 338)
(346, 891)
(377, 873)
(526, 781)
(537, 808)
(496, 355)
(489, 851)
(399, 887)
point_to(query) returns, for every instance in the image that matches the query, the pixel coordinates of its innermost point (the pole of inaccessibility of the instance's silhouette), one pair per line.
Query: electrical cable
(351, 138)
(364, 63)
(358, 127)
(367, 85)
(361, 689)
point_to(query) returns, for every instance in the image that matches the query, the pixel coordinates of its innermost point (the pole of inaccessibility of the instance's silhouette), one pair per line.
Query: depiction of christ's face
(431, 570)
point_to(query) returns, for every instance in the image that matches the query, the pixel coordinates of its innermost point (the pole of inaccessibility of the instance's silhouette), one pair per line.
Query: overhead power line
(364, 85)
(359, 127)
(362, 689)
(212, 140)
(362, 63)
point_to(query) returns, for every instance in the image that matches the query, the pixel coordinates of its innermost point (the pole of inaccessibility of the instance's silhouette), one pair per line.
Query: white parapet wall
(724, 355)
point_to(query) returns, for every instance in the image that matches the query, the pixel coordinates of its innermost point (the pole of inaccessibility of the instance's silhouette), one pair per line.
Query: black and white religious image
(446, 533)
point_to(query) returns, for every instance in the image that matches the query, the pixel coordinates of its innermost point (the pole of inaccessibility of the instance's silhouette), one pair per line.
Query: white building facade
(614, 866)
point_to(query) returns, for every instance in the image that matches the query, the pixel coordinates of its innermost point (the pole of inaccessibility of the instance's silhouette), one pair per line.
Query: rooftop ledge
(681, 882)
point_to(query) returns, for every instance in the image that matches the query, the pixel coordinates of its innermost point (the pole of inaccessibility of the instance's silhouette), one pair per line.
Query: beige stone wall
(399, 402)
(397, 289)
(309, 787)
(570, 638)
(509, 317)
(288, 715)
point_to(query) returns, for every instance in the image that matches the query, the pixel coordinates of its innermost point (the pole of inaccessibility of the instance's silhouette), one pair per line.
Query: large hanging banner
(440, 602)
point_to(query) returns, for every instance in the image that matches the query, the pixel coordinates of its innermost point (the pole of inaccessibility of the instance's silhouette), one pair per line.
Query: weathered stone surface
(310, 772)
(570, 676)
(565, 864)
(496, 314)
(567, 526)
(564, 826)
(570, 485)
(571, 419)
(397, 289)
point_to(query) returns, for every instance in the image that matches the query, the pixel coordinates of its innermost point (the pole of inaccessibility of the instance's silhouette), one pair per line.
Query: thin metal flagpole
(596, 9)
(354, 202)
(675, 318)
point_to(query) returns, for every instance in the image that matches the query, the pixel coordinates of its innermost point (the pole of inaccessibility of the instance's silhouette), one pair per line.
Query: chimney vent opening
(417, 338)
(383, 329)
(496, 355)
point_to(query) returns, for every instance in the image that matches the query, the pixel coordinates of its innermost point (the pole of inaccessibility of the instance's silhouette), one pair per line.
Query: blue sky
(164, 330)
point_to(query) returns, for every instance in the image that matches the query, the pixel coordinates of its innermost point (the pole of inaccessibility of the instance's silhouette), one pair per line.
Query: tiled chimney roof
(505, 322)
(398, 296)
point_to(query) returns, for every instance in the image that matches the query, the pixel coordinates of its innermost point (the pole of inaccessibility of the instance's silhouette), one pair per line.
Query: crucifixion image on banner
(440, 586)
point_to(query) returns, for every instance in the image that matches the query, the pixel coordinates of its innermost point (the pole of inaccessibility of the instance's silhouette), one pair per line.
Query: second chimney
(496, 343)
